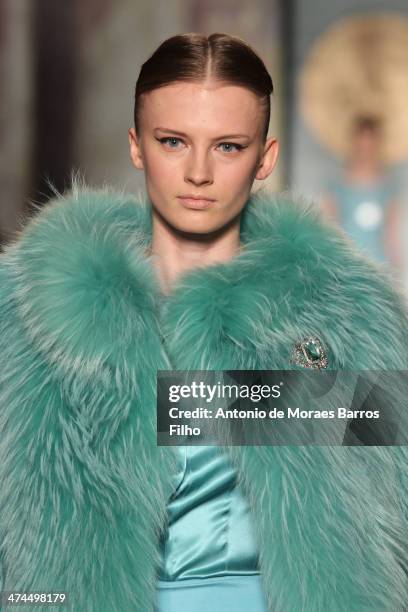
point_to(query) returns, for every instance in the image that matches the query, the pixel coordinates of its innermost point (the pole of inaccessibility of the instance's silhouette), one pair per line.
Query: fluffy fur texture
(83, 483)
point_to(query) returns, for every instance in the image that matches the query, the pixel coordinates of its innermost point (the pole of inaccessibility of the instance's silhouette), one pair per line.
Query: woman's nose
(198, 170)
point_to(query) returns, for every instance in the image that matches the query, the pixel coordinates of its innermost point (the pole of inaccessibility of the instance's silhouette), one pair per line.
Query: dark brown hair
(371, 123)
(194, 57)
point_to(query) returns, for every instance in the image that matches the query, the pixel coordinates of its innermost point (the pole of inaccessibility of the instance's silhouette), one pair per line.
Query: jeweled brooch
(309, 353)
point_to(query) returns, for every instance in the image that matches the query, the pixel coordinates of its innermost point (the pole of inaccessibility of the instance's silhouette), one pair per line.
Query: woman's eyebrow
(178, 133)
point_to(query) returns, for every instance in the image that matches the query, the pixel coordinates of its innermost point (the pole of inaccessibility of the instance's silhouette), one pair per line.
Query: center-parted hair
(194, 57)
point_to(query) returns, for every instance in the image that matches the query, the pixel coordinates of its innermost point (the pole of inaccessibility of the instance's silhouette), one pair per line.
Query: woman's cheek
(237, 175)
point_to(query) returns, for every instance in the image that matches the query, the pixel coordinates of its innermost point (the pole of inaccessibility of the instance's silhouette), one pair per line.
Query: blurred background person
(364, 197)
(349, 140)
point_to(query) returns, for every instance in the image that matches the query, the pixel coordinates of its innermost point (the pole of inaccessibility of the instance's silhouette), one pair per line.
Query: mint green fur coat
(84, 485)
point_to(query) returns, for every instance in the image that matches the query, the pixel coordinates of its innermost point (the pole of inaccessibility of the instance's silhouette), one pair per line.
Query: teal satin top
(209, 553)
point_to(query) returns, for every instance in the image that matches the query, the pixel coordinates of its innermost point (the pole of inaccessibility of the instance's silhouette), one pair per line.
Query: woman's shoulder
(79, 255)
(329, 283)
(81, 208)
(85, 224)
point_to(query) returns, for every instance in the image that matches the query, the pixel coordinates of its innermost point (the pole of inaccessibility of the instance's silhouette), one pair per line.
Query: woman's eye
(235, 147)
(173, 141)
(170, 140)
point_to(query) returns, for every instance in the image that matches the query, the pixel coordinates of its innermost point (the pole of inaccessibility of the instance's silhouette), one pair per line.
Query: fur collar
(86, 255)
(89, 331)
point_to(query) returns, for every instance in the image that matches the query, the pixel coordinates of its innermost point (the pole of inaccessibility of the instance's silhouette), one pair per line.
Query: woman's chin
(196, 228)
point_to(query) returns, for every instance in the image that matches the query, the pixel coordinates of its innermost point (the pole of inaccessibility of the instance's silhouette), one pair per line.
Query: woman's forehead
(231, 108)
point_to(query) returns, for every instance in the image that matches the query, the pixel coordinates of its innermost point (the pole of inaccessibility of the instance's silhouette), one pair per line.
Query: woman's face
(201, 140)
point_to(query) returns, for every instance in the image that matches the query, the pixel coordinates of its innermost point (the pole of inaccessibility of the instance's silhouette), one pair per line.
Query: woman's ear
(268, 159)
(135, 149)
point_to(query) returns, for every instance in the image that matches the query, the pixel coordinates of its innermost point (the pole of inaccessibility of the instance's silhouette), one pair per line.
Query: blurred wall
(15, 110)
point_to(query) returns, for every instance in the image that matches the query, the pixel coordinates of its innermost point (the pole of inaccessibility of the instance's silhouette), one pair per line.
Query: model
(101, 290)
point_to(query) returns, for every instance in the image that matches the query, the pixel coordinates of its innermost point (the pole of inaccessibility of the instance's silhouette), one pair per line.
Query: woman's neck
(175, 253)
(362, 170)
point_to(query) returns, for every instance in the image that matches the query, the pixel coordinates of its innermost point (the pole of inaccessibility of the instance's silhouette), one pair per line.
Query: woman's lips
(196, 204)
